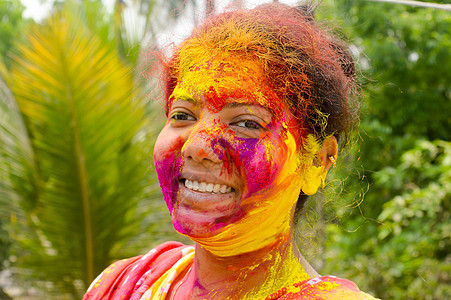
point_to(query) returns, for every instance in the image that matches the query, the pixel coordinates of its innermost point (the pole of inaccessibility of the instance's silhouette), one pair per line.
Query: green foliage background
(384, 223)
(394, 238)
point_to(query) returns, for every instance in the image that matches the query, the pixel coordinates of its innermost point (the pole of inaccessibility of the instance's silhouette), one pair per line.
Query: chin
(200, 224)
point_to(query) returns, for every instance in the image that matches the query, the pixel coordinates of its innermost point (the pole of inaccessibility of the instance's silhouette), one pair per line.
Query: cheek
(255, 160)
(168, 162)
(259, 164)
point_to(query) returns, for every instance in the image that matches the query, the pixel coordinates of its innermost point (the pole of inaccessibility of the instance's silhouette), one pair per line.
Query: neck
(252, 275)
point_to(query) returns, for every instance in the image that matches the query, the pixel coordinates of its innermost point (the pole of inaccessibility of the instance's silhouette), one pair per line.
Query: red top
(150, 276)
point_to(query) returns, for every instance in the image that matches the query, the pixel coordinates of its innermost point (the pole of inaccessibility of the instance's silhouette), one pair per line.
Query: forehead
(219, 81)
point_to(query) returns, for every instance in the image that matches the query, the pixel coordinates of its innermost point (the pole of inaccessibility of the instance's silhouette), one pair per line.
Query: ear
(315, 175)
(328, 150)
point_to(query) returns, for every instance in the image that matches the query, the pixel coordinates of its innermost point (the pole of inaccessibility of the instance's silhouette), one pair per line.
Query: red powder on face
(216, 102)
(175, 147)
(202, 153)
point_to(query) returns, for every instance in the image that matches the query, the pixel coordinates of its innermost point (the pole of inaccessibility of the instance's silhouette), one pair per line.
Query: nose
(203, 142)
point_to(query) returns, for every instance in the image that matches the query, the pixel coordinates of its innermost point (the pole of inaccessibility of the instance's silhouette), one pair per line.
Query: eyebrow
(228, 105)
(244, 103)
(238, 104)
(241, 104)
(187, 99)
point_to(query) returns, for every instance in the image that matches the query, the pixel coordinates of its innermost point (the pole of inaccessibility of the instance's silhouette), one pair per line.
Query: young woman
(257, 101)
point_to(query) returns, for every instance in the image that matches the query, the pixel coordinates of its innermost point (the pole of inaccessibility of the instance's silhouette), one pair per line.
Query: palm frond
(89, 167)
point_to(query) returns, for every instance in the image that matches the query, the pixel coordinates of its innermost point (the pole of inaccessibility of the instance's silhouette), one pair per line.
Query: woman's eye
(181, 116)
(249, 124)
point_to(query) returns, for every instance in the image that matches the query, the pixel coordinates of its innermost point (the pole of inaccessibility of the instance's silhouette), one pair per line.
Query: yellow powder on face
(268, 216)
(268, 212)
(219, 78)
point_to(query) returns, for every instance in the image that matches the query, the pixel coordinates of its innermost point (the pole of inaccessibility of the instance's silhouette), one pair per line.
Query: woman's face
(226, 147)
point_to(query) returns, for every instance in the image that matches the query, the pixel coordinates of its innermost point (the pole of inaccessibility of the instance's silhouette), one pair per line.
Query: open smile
(207, 187)
(212, 197)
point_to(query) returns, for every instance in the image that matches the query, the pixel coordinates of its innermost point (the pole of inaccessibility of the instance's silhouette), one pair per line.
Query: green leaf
(78, 168)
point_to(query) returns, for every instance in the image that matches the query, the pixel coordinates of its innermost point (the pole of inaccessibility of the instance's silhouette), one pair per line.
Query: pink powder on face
(168, 173)
(250, 158)
(253, 162)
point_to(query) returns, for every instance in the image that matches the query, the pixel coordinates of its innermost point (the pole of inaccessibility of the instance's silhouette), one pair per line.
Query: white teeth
(195, 185)
(189, 184)
(202, 187)
(207, 187)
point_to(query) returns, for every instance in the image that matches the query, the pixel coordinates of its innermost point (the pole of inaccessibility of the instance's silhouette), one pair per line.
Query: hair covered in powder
(307, 67)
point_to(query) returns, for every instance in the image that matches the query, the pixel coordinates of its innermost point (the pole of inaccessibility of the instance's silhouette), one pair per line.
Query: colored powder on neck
(283, 272)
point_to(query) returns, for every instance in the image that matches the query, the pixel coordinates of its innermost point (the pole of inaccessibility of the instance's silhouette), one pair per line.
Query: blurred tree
(131, 25)
(415, 237)
(75, 169)
(407, 255)
(404, 54)
(7, 109)
(75, 153)
(11, 26)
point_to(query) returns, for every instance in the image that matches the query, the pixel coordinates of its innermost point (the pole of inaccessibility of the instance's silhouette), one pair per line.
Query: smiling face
(225, 157)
